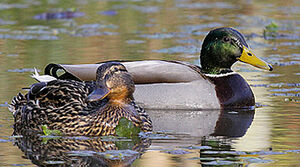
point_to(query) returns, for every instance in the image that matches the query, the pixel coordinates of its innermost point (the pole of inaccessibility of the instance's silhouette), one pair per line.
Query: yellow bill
(249, 58)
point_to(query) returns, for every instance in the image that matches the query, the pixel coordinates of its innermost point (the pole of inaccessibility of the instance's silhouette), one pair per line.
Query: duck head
(222, 47)
(114, 82)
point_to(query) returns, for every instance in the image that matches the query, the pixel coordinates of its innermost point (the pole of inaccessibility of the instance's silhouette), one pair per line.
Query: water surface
(34, 33)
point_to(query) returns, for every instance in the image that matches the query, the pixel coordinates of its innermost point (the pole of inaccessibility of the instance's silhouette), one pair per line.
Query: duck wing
(58, 93)
(46, 97)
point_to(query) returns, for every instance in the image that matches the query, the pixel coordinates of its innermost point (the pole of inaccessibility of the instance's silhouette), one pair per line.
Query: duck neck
(215, 59)
(216, 70)
(213, 63)
(120, 100)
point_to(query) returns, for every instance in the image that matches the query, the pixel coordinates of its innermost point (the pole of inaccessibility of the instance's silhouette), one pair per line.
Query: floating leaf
(125, 128)
(271, 30)
(272, 27)
(48, 132)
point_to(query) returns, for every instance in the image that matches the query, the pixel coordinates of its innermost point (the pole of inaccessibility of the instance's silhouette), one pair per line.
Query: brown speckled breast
(233, 91)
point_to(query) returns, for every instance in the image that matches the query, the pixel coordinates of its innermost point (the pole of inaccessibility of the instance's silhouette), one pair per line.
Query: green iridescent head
(222, 47)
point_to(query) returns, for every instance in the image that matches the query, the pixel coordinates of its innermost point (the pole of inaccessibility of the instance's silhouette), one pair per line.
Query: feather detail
(42, 78)
(62, 105)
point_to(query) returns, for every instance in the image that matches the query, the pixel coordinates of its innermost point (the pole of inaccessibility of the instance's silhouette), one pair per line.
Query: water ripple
(221, 5)
(273, 85)
(192, 28)
(162, 35)
(4, 6)
(190, 49)
(286, 94)
(28, 37)
(285, 90)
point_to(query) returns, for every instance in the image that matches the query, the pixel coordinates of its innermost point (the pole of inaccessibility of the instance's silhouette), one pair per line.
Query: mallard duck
(81, 108)
(180, 85)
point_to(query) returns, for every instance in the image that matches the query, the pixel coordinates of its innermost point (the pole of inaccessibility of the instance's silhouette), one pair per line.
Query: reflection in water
(208, 138)
(79, 151)
(234, 123)
(230, 123)
(200, 126)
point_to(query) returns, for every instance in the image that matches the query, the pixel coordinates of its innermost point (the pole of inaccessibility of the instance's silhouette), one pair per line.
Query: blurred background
(34, 33)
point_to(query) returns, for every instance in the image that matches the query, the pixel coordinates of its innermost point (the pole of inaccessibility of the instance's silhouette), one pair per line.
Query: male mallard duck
(173, 84)
(79, 108)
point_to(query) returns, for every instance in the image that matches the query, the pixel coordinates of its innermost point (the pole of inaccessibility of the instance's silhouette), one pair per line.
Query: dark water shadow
(211, 133)
(230, 126)
(199, 123)
(233, 123)
(79, 151)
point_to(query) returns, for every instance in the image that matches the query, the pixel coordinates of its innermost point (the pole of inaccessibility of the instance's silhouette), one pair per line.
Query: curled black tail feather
(17, 102)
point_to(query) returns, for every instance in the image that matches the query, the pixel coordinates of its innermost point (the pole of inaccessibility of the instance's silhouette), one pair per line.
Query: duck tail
(35, 75)
(17, 103)
(42, 78)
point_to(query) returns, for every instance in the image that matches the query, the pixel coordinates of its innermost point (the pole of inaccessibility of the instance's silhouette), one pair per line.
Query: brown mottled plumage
(71, 151)
(81, 108)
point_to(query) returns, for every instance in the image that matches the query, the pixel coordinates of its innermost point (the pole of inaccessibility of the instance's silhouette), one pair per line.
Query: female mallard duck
(79, 108)
(172, 84)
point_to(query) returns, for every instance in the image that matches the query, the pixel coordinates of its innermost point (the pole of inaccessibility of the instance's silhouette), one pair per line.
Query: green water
(157, 29)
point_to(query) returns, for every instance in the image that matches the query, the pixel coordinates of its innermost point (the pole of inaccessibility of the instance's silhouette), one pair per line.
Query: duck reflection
(233, 123)
(217, 129)
(79, 151)
(199, 123)
(200, 136)
(230, 126)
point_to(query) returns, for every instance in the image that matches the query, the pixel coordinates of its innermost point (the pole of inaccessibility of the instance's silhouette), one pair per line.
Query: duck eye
(116, 69)
(226, 39)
